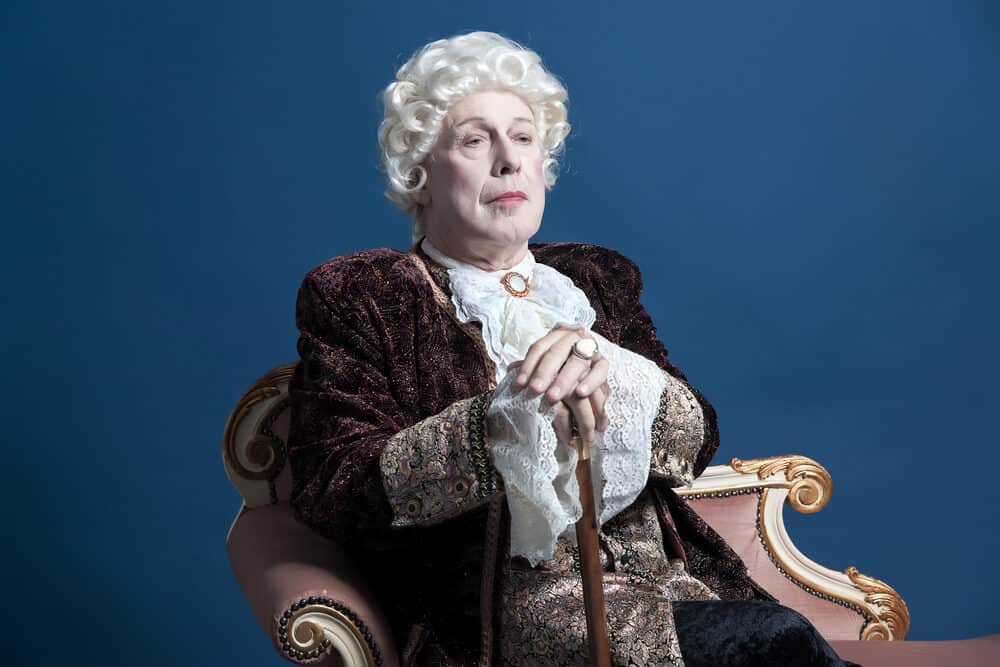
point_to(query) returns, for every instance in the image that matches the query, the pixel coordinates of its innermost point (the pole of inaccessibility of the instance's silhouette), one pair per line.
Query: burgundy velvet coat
(381, 350)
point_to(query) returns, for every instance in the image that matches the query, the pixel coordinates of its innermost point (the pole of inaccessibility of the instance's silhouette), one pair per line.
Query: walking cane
(590, 558)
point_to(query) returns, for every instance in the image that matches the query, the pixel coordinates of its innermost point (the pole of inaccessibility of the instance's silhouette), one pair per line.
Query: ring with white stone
(585, 348)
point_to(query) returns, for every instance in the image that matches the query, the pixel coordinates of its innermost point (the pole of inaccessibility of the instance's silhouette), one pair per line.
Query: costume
(386, 362)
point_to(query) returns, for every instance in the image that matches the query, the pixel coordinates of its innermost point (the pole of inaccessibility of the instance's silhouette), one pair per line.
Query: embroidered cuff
(440, 467)
(677, 434)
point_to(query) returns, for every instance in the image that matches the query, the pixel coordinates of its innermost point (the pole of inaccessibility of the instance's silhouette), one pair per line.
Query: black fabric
(749, 633)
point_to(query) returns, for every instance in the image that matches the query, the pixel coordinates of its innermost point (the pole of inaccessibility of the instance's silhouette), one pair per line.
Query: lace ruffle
(511, 324)
(539, 477)
(623, 451)
(542, 492)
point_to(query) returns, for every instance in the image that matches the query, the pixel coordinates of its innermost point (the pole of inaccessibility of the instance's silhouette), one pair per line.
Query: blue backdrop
(811, 191)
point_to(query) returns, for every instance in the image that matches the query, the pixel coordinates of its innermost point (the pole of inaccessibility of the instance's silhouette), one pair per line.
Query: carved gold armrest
(807, 487)
(317, 625)
(253, 449)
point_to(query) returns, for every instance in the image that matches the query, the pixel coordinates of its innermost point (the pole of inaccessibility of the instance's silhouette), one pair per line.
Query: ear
(422, 196)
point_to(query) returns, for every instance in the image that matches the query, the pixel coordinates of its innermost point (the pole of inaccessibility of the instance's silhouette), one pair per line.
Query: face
(488, 145)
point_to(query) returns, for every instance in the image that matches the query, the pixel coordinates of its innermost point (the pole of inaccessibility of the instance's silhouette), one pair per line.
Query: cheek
(536, 168)
(464, 180)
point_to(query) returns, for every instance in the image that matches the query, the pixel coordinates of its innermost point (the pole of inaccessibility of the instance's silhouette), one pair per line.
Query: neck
(486, 257)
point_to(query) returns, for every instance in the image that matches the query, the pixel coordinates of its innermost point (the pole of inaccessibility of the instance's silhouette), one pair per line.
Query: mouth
(510, 198)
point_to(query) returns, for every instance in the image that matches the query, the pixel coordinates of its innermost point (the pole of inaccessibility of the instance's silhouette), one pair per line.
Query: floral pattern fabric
(439, 467)
(543, 620)
(678, 432)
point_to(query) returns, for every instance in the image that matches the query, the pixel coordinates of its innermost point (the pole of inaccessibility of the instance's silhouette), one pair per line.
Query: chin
(510, 232)
(512, 225)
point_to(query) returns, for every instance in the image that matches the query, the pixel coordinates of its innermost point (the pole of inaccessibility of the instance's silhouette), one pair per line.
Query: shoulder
(356, 268)
(364, 272)
(586, 261)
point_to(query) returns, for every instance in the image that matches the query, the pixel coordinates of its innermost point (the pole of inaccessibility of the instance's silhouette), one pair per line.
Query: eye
(469, 142)
(528, 137)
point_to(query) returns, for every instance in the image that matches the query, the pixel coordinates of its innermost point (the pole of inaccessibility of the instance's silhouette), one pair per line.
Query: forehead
(494, 107)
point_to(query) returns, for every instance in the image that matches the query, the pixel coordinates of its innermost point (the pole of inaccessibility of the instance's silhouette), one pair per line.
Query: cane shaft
(590, 561)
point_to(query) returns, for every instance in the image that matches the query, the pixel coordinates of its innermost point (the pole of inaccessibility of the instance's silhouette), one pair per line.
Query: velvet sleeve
(361, 462)
(674, 452)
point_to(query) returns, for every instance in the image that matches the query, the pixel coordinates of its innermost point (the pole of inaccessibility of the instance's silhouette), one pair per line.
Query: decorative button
(413, 507)
(460, 487)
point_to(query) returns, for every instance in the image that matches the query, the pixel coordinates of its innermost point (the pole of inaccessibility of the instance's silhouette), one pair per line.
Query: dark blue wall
(811, 192)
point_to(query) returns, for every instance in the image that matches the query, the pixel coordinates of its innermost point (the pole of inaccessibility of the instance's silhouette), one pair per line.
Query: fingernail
(554, 393)
(584, 389)
(521, 378)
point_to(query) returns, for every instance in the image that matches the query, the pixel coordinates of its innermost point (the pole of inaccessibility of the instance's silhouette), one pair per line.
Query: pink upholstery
(978, 652)
(278, 560)
(735, 519)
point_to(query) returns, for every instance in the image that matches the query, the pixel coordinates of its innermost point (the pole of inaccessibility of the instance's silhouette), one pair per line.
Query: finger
(535, 353)
(595, 377)
(553, 361)
(584, 414)
(598, 403)
(561, 425)
(539, 347)
(568, 378)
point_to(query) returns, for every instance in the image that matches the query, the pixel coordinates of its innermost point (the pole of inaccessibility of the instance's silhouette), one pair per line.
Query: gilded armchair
(309, 600)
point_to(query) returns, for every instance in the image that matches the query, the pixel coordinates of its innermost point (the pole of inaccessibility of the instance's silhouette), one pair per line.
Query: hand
(550, 367)
(588, 412)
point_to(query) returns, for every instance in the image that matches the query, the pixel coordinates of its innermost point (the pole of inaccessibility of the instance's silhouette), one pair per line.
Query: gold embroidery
(439, 467)
(543, 618)
(677, 433)
(486, 475)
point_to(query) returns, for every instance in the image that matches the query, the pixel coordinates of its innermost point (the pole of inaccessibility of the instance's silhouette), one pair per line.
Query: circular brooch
(515, 291)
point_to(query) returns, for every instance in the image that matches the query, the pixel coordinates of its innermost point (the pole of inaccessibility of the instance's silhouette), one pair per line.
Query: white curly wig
(440, 74)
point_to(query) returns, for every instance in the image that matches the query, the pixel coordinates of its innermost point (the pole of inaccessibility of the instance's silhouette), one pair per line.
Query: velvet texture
(749, 633)
(381, 350)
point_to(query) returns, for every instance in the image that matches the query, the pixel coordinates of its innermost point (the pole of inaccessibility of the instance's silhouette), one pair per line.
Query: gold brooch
(505, 281)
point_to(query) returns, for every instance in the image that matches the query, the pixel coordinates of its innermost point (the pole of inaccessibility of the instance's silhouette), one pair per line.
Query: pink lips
(511, 197)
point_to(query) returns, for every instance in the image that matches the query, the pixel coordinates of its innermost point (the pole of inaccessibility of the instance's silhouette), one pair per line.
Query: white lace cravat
(539, 476)
(511, 324)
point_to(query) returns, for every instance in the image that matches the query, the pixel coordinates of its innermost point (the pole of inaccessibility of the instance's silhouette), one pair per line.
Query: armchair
(310, 601)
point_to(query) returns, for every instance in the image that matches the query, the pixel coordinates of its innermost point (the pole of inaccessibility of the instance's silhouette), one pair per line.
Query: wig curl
(440, 74)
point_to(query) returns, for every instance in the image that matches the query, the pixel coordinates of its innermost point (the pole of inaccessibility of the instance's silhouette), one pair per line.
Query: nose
(508, 160)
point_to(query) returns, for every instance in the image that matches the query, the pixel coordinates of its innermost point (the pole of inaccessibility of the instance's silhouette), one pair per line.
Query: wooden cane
(590, 557)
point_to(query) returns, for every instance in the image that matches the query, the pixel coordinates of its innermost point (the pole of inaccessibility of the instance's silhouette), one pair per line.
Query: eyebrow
(483, 120)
